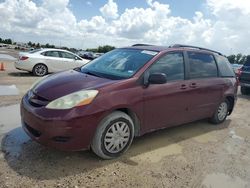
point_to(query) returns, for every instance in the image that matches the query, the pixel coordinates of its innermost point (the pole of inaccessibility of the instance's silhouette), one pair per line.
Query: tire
(108, 141)
(221, 112)
(245, 90)
(40, 70)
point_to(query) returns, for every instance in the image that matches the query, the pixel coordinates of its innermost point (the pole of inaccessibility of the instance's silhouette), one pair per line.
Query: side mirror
(157, 78)
(76, 58)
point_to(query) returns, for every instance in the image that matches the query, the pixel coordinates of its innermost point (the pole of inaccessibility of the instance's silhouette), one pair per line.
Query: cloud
(110, 10)
(230, 29)
(224, 28)
(58, 5)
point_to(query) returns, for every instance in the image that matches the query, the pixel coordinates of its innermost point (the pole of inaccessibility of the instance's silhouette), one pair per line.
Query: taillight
(238, 74)
(23, 58)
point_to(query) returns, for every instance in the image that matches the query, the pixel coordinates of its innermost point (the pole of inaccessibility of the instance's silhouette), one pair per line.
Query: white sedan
(43, 61)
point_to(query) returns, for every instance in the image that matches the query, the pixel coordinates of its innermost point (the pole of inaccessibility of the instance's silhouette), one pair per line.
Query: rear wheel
(221, 112)
(113, 136)
(245, 90)
(40, 70)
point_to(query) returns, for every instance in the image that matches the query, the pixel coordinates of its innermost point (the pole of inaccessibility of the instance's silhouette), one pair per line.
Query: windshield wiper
(93, 74)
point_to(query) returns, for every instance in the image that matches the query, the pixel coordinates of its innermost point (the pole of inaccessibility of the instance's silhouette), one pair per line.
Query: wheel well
(134, 117)
(230, 99)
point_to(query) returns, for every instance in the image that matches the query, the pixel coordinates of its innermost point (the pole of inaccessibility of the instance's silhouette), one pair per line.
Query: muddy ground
(193, 155)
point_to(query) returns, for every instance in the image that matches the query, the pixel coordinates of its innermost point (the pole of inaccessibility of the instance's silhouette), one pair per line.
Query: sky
(221, 25)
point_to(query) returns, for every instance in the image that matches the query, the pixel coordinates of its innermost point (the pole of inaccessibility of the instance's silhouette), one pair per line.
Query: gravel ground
(193, 155)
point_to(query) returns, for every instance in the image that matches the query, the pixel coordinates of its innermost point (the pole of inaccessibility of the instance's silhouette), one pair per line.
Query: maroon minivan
(126, 93)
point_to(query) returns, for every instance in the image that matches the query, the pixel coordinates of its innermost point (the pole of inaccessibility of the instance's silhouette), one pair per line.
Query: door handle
(183, 86)
(193, 85)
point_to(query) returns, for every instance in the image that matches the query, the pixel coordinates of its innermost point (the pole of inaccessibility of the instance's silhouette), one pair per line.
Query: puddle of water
(205, 138)
(7, 57)
(219, 180)
(158, 154)
(10, 128)
(8, 90)
(9, 118)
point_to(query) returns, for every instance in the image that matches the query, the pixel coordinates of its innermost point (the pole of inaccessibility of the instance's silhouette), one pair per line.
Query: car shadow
(32, 160)
(22, 74)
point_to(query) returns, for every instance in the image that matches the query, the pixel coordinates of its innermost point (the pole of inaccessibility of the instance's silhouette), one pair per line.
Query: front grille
(33, 131)
(36, 100)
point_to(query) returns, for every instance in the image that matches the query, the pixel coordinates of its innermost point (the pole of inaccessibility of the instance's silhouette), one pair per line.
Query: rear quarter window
(224, 66)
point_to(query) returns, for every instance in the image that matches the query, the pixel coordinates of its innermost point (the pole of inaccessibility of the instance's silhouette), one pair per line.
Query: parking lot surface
(193, 155)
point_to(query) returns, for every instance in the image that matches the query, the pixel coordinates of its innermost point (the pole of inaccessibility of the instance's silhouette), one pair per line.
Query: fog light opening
(61, 139)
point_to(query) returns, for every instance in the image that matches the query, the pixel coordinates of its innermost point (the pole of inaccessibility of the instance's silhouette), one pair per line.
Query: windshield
(119, 63)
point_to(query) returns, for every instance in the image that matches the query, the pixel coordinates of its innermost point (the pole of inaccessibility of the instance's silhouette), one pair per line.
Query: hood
(63, 83)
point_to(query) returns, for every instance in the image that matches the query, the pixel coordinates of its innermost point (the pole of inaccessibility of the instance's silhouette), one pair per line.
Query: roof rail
(195, 47)
(142, 45)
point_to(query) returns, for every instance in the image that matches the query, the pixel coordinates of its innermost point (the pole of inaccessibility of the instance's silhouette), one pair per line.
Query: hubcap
(222, 111)
(40, 70)
(117, 137)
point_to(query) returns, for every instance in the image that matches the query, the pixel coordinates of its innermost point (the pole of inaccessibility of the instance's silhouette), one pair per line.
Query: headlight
(38, 81)
(78, 98)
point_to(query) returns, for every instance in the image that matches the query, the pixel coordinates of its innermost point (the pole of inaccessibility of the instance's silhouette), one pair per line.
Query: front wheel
(113, 136)
(221, 112)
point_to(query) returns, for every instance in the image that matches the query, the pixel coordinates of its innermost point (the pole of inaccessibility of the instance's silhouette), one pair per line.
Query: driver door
(166, 104)
(70, 61)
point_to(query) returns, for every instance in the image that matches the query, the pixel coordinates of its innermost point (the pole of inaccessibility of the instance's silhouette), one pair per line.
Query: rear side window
(202, 65)
(171, 64)
(224, 67)
(51, 53)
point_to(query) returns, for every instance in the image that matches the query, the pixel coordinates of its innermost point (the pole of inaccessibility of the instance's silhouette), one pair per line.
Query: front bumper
(68, 130)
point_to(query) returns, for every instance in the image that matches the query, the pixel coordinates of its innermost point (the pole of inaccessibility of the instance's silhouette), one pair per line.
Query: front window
(171, 64)
(119, 63)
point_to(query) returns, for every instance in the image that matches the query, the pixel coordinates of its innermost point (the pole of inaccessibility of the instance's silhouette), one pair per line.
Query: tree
(7, 41)
(30, 43)
(240, 59)
(237, 59)
(38, 45)
(247, 60)
(101, 49)
(104, 49)
(231, 59)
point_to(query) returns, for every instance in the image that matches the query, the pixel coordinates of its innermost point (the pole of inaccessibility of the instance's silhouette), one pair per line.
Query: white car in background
(43, 61)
